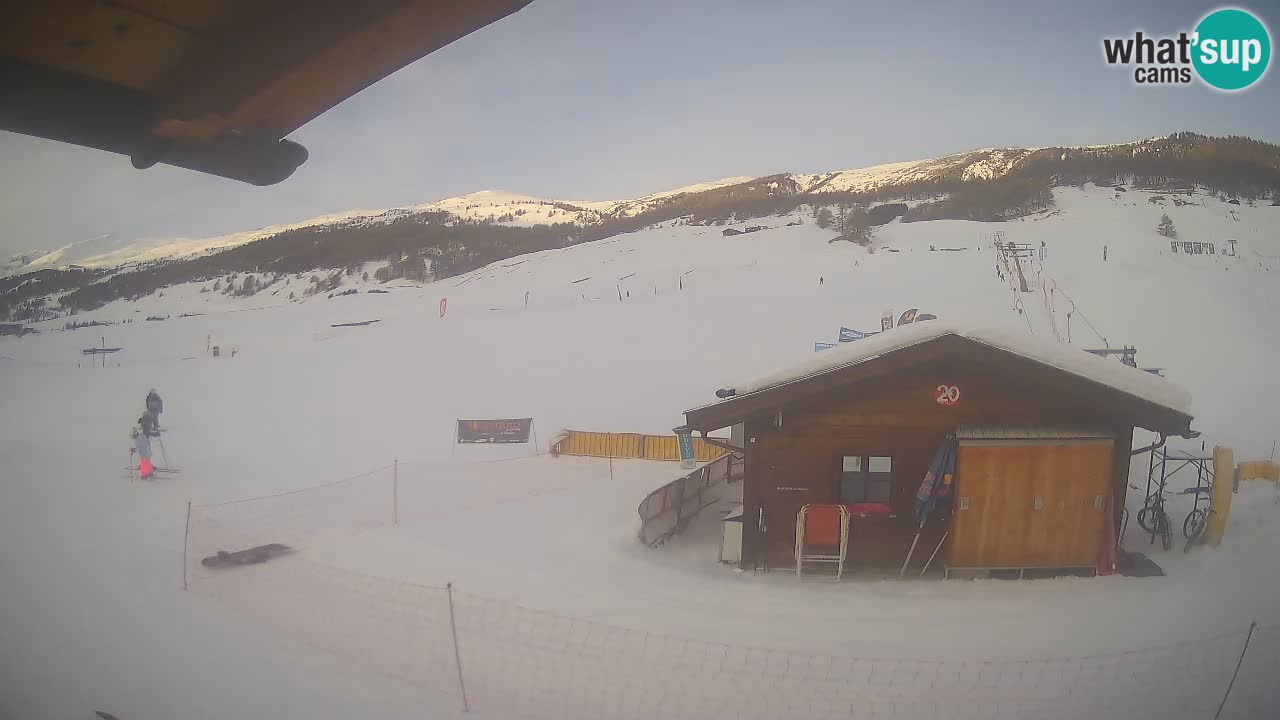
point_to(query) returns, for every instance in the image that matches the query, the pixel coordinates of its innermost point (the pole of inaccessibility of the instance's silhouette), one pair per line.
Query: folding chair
(819, 530)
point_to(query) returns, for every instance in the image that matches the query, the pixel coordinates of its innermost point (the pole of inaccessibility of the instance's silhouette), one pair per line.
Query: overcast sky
(605, 99)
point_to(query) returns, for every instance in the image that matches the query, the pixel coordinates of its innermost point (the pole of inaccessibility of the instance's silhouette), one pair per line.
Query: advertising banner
(512, 430)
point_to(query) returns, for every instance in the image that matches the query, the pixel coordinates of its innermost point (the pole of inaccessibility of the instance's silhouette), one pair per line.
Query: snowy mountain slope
(1137, 297)
(622, 334)
(516, 210)
(92, 254)
(629, 208)
(984, 164)
(23, 262)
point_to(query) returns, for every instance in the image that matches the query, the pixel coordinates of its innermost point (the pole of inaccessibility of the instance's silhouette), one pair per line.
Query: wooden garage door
(1024, 505)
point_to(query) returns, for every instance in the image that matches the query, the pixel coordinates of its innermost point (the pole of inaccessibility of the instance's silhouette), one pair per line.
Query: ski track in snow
(91, 610)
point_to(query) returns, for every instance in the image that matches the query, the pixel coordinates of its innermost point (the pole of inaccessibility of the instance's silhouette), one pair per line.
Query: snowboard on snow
(252, 556)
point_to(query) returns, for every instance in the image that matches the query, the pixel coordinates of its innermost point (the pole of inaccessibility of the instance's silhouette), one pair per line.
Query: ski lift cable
(1077, 311)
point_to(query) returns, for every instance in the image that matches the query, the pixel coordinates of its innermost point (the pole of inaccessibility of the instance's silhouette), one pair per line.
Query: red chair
(822, 535)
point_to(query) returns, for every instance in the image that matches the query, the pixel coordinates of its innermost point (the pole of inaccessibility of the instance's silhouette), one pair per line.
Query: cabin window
(865, 478)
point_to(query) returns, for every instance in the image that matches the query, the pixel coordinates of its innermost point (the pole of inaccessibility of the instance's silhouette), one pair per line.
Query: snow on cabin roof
(1110, 373)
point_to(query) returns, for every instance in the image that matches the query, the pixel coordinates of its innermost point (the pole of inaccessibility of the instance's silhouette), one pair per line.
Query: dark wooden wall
(897, 416)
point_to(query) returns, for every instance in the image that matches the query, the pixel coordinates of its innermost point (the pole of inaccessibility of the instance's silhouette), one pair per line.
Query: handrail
(667, 511)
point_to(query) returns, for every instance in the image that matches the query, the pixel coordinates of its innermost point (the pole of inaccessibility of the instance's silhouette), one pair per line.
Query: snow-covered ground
(91, 608)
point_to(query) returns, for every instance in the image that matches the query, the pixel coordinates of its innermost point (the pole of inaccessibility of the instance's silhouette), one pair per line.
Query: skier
(155, 406)
(819, 279)
(142, 434)
(1104, 253)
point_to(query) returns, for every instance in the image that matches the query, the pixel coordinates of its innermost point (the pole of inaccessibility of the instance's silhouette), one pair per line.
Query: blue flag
(939, 483)
(820, 346)
(849, 335)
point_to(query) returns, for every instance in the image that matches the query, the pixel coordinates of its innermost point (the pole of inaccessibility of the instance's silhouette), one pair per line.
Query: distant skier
(819, 279)
(1104, 253)
(142, 434)
(155, 406)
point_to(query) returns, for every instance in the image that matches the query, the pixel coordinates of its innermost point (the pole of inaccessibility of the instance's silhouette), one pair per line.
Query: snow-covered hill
(622, 334)
(516, 210)
(984, 164)
(1144, 294)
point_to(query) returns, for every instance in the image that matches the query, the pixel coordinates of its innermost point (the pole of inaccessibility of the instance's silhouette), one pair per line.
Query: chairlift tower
(1127, 354)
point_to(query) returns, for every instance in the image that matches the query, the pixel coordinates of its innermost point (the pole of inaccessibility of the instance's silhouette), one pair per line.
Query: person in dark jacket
(155, 406)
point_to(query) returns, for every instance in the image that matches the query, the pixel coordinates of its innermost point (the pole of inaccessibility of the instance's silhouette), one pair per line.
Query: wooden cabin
(1044, 434)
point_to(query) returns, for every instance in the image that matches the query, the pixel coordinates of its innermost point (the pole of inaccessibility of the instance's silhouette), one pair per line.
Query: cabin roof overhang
(1116, 390)
(213, 85)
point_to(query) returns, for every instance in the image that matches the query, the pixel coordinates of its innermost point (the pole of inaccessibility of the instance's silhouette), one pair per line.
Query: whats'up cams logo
(1229, 49)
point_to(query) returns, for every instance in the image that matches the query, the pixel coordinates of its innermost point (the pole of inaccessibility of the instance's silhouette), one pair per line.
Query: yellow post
(1224, 464)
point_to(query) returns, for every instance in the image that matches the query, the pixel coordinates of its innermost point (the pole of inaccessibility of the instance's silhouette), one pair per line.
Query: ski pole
(160, 439)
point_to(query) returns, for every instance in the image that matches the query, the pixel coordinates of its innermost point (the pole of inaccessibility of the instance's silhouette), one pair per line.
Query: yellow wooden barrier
(630, 445)
(1259, 470)
(1220, 496)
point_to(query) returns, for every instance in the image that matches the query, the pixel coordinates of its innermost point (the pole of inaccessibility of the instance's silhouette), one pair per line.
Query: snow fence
(629, 445)
(505, 660)
(497, 658)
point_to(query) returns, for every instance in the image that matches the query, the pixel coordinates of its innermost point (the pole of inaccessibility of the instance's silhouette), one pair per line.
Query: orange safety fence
(630, 445)
(1259, 470)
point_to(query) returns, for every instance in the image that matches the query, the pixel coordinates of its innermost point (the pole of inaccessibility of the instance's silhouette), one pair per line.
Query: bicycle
(1154, 519)
(1196, 536)
(1194, 524)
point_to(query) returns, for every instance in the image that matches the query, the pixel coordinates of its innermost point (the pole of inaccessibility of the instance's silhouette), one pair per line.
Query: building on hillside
(1042, 435)
(754, 228)
(729, 232)
(1192, 248)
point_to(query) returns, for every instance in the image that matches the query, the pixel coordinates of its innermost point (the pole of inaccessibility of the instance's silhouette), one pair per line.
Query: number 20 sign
(947, 394)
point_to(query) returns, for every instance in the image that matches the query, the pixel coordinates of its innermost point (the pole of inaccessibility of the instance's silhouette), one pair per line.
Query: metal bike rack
(1164, 465)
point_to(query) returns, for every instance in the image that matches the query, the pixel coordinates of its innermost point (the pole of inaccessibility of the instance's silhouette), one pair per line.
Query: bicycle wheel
(1194, 524)
(1166, 532)
(1197, 534)
(1145, 518)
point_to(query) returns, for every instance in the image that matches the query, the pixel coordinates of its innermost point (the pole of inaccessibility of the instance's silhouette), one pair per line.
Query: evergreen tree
(1166, 228)
(856, 225)
(824, 218)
